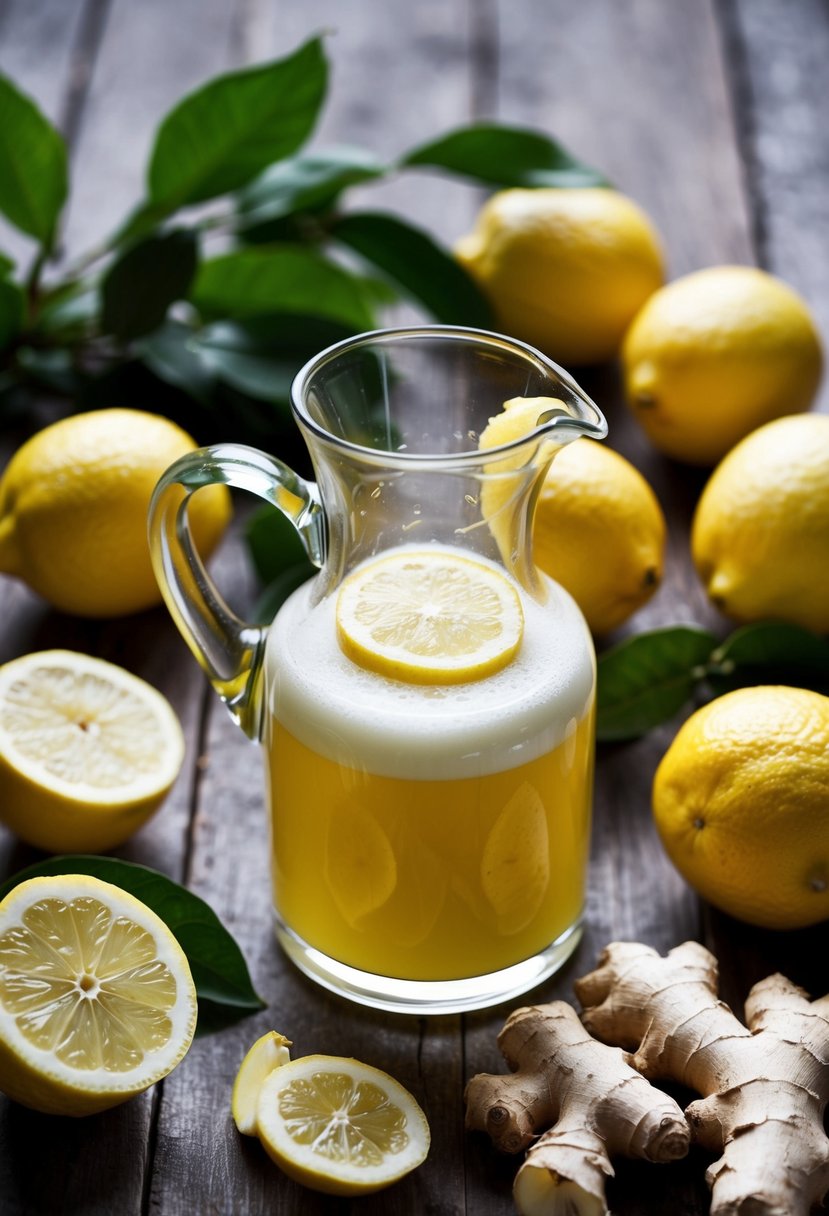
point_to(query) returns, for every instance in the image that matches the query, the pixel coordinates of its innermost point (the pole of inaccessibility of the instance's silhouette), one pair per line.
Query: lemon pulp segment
(429, 617)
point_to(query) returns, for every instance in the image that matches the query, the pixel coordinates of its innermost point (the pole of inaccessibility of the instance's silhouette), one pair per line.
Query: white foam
(430, 732)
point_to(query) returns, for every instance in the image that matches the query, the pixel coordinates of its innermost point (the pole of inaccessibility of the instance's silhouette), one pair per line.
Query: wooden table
(711, 113)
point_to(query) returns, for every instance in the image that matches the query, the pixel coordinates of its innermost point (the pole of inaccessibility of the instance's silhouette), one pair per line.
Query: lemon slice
(505, 478)
(96, 998)
(429, 617)
(340, 1126)
(87, 751)
(266, 1054)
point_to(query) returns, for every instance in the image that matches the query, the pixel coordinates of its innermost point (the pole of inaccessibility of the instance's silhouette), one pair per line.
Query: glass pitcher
(429, 833)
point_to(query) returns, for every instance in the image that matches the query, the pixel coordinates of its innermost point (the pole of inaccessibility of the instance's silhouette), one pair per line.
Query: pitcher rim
(595, 427)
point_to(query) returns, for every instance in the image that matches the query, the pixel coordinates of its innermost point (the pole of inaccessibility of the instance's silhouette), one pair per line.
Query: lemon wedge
(266, 1054)
(87, 751)
(429, 617)
(97, 1002)
(339, 1126)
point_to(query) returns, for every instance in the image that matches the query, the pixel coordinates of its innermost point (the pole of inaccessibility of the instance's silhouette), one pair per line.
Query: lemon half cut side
(87, 751)
(340, 1126)
(97, 1002)
(429, 617)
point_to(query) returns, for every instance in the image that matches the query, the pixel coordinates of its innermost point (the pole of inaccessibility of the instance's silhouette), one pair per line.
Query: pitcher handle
(229, 650)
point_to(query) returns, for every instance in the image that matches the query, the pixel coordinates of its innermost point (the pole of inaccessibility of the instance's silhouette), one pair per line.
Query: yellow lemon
(87, 751)
(716, 354)
(760, 533)
(97, 1002)
(741, 801)
(599, 530)
(428, 616)
(73, 510)
(566, 270)
(339, 1126)
(271, 1051)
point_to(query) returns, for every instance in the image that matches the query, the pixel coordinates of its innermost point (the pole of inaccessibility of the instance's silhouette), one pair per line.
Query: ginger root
(764, 1086)
(594, 1104)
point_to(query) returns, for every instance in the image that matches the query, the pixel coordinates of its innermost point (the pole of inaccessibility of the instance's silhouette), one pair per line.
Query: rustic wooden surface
(712, 114)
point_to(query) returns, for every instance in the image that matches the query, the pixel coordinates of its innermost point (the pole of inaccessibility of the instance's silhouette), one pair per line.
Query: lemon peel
(73, 510)
(267, 1053)
(741, 803)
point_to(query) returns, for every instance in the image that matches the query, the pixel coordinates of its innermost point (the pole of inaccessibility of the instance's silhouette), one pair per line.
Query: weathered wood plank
(778, 54)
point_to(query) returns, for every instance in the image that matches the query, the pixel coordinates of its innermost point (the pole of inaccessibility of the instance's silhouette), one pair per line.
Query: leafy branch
(241, 260)
(649, 678)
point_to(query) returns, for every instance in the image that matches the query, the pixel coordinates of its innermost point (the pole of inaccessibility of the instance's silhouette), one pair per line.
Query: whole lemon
(566, 270)
(73, 510)
(600, 532)
(760, 532)
(714, 355)
(741, 802)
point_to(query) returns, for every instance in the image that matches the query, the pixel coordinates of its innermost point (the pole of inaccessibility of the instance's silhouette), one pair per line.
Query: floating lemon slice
(97, 1002)
(340, 1126)
(266, 1054)
(429, 617)
(87, 751)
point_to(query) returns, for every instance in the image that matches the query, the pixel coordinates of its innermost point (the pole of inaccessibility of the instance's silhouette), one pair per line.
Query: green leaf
(648, 678)
(303, 183)
(218, 966)
(71, 311)
(171, 353)
(424, 270)
(33, 173)
(6, 266)
(274, 544)
(280, 278)
(51, 369)
(145, 280)
(221, 136)
(261, 356)
(505, 156)
(12, 311)
(771, 652)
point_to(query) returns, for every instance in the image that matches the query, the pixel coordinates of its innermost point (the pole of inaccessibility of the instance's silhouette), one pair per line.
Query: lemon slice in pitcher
(339, 1126)
(429, 617)
(97, 1002)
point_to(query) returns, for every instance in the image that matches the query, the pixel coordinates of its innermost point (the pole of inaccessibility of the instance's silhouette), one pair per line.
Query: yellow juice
(429, 833)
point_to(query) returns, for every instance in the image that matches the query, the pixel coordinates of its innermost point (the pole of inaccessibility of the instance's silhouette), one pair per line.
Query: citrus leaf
(302, 183)
(771, 652)
(12, 311)
(425, 271)
(648, 678)
(275, 545)
(261, 356)
(221, 136)
(216, 962)
(33, 174)
(145, 280)
(280, 278)
(505, 156)
(170, 353)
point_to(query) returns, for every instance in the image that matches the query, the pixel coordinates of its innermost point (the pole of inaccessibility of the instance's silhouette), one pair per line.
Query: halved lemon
(87, 751)
(429, 617)
(266, 1054)
(340, 1126)
(97, 1002)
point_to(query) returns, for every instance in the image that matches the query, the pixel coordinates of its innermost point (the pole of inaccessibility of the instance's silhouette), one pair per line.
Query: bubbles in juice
(429, 832)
